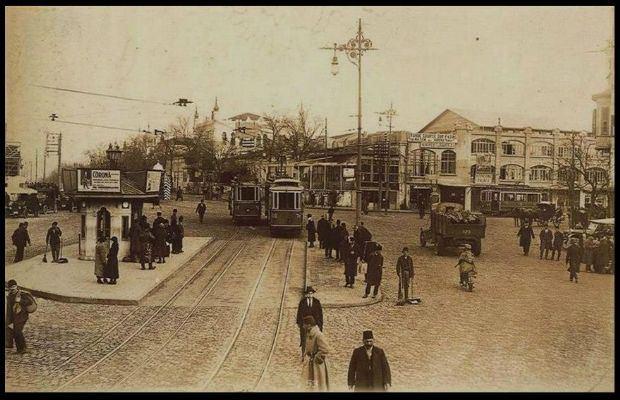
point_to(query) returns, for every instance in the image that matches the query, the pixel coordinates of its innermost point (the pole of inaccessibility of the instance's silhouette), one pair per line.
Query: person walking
(573, 259)
(311, 228)
(179, 194)
(330, 234)
(546, 242)
(375, 272)
(589, 247)
(134, 239)
(201, 209)
(314, 367)
(405, 272)
(18, 302)
(111, 267)
(101, 258)
(602, 255)
(321, 228)
(369, 370)
(179, 234)
(350, 263)
(308, 305)
(20, 239)
(526, 234)
(146, 249)
(330, 213)
(558, 242)
(53, 240)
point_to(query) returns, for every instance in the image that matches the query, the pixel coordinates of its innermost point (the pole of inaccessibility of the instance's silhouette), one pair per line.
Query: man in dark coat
(558, 242)
(330, 233)
(343, 241)
(361, 236)
(201, 209)
(602, 255)
(157, 221)
(311, 228)
(53, 240)
(174, 218)
(20, 239)
(526, 234)
(135, 231)
(330, 213)
(16, 316)
(405, 272)
(179, 194)
(160, 243)
(321, 228)
(336, 235)
(110, 270)
(546, 242)
(573, 259)
(350, 263)
(375, 272)
(421, 207)
(369, 370)
(308, 305)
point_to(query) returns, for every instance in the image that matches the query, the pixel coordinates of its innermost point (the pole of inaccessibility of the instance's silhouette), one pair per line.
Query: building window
(540, 173)
(563, 151)
(423, 162)
(541, 149)
(125, 231)
(318, 175)
(563, 175)
(511, 172)
(512, 149)
(483, 146)
(596, 175)
(448, 162)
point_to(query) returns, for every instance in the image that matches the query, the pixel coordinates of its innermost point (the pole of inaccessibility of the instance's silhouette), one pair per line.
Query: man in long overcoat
(201, 209)
(53, 240)
(546, 242)
(558, 242)
(330, 238)
(336, 235)
(602, 255)
(405, 272)
(573, 259)
(343, 241)
(101, 259)
(350, 263)
(369, 370)
(20, 239)
(321, 227)
(375, 272)
(314, 368)
(311, 228)
(308, 305)
(526, 234)
(361, 236)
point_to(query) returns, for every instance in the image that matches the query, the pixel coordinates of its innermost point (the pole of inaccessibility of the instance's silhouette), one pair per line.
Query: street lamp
(114, 155)
(354, 49)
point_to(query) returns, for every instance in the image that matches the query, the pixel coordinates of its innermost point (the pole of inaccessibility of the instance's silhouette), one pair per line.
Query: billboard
(434, 140)
(98, 180)
(153, 180)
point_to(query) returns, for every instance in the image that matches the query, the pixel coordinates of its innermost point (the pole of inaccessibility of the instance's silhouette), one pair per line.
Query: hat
(309, 215)
(11, 282)
(467, 246)
(405, 248)
(310, 289)
(368, 335)
(309, 320)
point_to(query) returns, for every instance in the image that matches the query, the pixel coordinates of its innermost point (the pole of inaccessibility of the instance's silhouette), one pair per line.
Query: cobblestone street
(525, 327)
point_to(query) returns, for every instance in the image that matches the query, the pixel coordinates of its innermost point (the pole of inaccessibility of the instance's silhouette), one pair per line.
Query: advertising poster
(153, 180)
(98, 180)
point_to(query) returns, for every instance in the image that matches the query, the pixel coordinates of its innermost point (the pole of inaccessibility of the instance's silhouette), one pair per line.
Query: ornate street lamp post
(354, 49)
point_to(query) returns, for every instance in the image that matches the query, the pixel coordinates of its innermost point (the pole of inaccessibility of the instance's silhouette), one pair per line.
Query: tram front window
(286, 201)
(247, 193)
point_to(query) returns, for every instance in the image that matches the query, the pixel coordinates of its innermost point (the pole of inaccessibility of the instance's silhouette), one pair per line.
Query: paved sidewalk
(75, 282)
(327, 277)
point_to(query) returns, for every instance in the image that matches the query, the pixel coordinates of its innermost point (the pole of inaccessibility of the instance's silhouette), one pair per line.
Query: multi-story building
(483, 160)
(603, 128)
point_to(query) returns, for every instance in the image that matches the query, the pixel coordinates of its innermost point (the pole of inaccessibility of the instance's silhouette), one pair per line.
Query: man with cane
(405, 272)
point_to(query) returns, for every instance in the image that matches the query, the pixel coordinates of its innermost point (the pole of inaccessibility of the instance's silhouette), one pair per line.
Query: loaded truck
(452, 226)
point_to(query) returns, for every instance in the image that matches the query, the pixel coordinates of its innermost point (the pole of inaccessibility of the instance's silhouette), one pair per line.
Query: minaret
(216, 108)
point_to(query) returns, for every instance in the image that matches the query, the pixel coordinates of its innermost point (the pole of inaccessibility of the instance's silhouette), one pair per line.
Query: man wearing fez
(369, 370)
(308, 306)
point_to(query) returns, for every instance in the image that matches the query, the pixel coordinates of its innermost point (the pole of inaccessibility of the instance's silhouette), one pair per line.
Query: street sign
(434, 140)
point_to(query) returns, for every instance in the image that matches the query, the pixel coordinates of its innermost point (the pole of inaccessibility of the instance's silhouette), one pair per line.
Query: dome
(158, 167)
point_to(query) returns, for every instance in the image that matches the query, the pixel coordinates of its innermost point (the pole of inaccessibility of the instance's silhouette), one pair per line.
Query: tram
(503, 202)
(245, 203)
(284, 206)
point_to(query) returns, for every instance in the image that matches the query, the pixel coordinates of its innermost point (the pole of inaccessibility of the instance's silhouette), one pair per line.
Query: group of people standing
(369, 370)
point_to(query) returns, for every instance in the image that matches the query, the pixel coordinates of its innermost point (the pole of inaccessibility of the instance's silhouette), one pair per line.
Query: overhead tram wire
(102, 126)
(102, 95)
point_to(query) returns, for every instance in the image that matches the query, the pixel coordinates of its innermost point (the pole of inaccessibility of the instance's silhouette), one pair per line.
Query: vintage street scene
(309, 199)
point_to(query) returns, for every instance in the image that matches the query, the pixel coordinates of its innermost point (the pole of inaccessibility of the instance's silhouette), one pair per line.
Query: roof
(245, 116)
(506, 120)
(129, 187)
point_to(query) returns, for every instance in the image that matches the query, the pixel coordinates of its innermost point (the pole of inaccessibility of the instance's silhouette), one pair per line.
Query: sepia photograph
(309, 199)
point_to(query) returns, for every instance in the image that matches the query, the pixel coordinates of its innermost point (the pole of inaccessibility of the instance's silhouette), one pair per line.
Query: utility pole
(36, 165)
(59, 170)
(44, 162)
(390, 113)
(325, 137)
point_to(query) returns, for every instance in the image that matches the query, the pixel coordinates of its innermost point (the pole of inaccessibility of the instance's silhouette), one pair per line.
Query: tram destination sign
(98, 180)
(434, 140)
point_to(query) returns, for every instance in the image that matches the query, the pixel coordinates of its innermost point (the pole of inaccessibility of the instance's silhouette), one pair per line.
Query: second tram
(246, 202)
(285, 209)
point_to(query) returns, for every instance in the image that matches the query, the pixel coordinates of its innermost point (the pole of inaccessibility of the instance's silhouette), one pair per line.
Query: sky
(535, 61)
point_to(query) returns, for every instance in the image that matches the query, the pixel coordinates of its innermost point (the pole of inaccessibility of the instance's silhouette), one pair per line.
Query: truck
(451, 226)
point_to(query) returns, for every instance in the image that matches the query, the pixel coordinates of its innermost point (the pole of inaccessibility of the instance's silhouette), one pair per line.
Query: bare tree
(301, 130)
(275, 124)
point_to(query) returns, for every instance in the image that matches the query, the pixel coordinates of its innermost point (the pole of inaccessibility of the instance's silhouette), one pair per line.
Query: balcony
(603, 142)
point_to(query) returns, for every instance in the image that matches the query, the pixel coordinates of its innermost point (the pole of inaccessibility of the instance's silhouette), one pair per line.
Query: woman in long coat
(111, 267)
(101, 258)
(314, 368)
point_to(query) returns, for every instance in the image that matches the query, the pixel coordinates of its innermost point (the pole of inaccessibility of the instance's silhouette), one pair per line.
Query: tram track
(218, 248)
